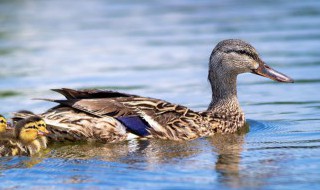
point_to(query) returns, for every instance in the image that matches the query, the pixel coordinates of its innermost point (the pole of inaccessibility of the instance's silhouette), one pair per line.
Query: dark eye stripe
(31, 127)
(242, 52)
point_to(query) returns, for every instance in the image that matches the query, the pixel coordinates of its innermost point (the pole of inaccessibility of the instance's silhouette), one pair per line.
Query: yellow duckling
(27, 138)
(3, 124)
(41, 125)
(6, 129)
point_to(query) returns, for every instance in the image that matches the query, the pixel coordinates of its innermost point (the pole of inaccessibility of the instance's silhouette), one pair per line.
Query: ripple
(288, 103)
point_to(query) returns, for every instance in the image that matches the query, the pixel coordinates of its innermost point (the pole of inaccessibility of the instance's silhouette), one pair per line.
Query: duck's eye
(2, 121)
(242, 52)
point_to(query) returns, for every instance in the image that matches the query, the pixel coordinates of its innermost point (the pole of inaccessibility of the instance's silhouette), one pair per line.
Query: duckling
(5, 127)
(41, 125)
(3, 124)
(27, 138)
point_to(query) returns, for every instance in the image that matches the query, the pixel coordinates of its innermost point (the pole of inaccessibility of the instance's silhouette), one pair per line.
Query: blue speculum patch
(135, 125)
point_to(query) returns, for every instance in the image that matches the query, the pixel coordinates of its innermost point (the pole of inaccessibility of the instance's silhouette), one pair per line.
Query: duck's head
(3, 124)
(29, 129)
(232, 57)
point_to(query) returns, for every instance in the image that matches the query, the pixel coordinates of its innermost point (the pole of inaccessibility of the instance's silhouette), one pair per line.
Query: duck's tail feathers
(67, 92)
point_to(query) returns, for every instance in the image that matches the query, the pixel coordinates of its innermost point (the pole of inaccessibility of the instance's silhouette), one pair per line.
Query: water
(160, 49)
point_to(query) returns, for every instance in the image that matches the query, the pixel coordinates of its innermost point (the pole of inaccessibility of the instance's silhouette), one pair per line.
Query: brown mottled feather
(166, 120)
(66, 123)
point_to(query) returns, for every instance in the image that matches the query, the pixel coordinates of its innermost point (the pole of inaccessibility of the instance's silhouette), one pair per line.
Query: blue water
(161, 49)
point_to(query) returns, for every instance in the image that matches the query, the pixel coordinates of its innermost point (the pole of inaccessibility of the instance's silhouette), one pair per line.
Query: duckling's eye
(2, 121)
(42, 125)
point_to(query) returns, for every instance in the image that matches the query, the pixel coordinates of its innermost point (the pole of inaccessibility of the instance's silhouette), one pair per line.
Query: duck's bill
(266, 71)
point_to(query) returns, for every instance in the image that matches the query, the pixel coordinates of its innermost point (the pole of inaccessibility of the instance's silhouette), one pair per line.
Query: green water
(161, 49)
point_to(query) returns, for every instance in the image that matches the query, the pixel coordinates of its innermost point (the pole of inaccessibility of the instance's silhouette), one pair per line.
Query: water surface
(161, 49)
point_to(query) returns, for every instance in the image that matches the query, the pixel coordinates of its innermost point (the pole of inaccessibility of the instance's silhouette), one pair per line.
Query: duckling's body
(24, 139)
(109, 116)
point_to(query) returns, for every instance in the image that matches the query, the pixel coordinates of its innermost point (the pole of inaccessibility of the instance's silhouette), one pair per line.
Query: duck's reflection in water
(150, 151)
(231, 172)
(228, 148)
(106, 152)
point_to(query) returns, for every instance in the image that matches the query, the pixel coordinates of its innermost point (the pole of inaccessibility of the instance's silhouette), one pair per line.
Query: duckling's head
(3, 124)
(25, 114)
(29, 129)
(232, 57)
(42, 127)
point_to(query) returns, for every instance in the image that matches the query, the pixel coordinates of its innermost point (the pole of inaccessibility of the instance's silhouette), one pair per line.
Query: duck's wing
(144, 116)
(124, 106)
(103, 103)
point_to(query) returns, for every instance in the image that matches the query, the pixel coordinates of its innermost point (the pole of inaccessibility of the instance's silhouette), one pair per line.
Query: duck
(26, 138)
(109, 116)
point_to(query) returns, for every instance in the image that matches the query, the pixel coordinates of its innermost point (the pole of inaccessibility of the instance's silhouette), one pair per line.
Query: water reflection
(229, 148)
(231, 163)
(152, 151)
(153, 154)
(7, 163)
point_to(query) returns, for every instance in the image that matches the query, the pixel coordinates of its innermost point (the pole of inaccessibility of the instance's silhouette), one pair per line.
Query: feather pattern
(66, 123)
(80, 118)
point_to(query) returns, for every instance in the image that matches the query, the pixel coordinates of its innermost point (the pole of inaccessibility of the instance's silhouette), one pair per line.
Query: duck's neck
(224, 94)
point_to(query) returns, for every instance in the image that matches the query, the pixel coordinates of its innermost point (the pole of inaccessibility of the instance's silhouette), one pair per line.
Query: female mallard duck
(109, 116)
(26, 138)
